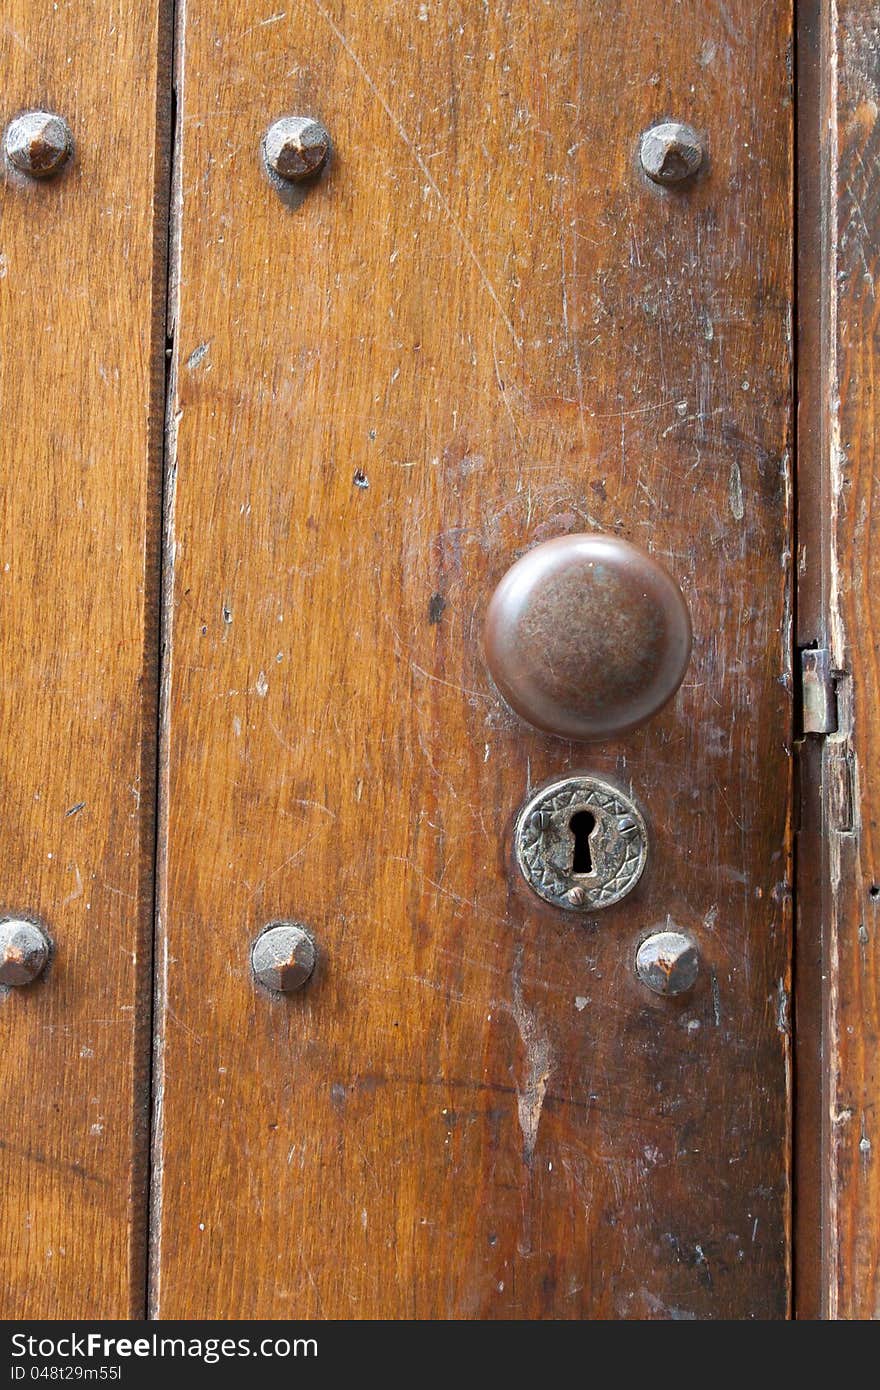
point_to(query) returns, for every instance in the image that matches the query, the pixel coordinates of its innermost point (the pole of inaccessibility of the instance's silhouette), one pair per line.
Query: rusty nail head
(283, 956)
(39, 143)
(295, 148)
(671, 152)
(668, 962)
(24, 950)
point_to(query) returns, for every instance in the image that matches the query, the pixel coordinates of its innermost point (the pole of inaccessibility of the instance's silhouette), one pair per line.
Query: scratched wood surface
(850, 1273)
(78, 648)
(480, 329)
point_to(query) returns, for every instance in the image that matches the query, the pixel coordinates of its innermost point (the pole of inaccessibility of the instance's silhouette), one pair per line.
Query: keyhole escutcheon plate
(572, 863)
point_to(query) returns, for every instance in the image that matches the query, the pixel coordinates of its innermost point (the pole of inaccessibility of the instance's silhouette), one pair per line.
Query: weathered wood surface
(481, 328)
(78, 651)
(812, 609)
(843, 567)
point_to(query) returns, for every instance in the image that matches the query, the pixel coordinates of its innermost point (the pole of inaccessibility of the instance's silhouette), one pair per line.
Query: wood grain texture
(481, 328)
(78, 649)
(812, 611)
(850, 1172)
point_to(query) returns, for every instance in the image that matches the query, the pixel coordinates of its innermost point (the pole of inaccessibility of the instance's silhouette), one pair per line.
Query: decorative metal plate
(565, 866)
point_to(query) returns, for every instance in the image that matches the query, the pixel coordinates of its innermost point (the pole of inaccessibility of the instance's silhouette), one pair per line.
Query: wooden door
(254, 687)
(481, 328)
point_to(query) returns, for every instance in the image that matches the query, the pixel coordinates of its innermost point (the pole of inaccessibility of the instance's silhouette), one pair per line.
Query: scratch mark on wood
(49, 1161)
(424, 170)
(538, 1065)
(735, 492)
(198, 355)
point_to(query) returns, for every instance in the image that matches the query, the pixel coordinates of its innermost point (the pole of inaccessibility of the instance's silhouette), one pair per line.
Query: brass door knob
(587, 636)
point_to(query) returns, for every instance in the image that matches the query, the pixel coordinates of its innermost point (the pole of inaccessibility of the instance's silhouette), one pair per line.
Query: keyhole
(582, 825)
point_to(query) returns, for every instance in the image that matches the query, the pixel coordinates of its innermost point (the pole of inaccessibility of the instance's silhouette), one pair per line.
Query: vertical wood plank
(813, 82)
(843, 562)
(481, 328)
(81, 300)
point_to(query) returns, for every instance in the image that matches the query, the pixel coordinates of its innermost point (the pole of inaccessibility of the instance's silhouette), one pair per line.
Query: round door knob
(587, 636)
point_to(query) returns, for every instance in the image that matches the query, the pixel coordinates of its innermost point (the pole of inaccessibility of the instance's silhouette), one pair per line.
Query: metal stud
(671, 152)
(283, 956)
(668, 962)
(38, 143)
(24, 950)
(295, 148)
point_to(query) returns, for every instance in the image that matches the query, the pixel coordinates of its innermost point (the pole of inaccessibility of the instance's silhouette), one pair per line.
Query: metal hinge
(824, 708)
(818, 692)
